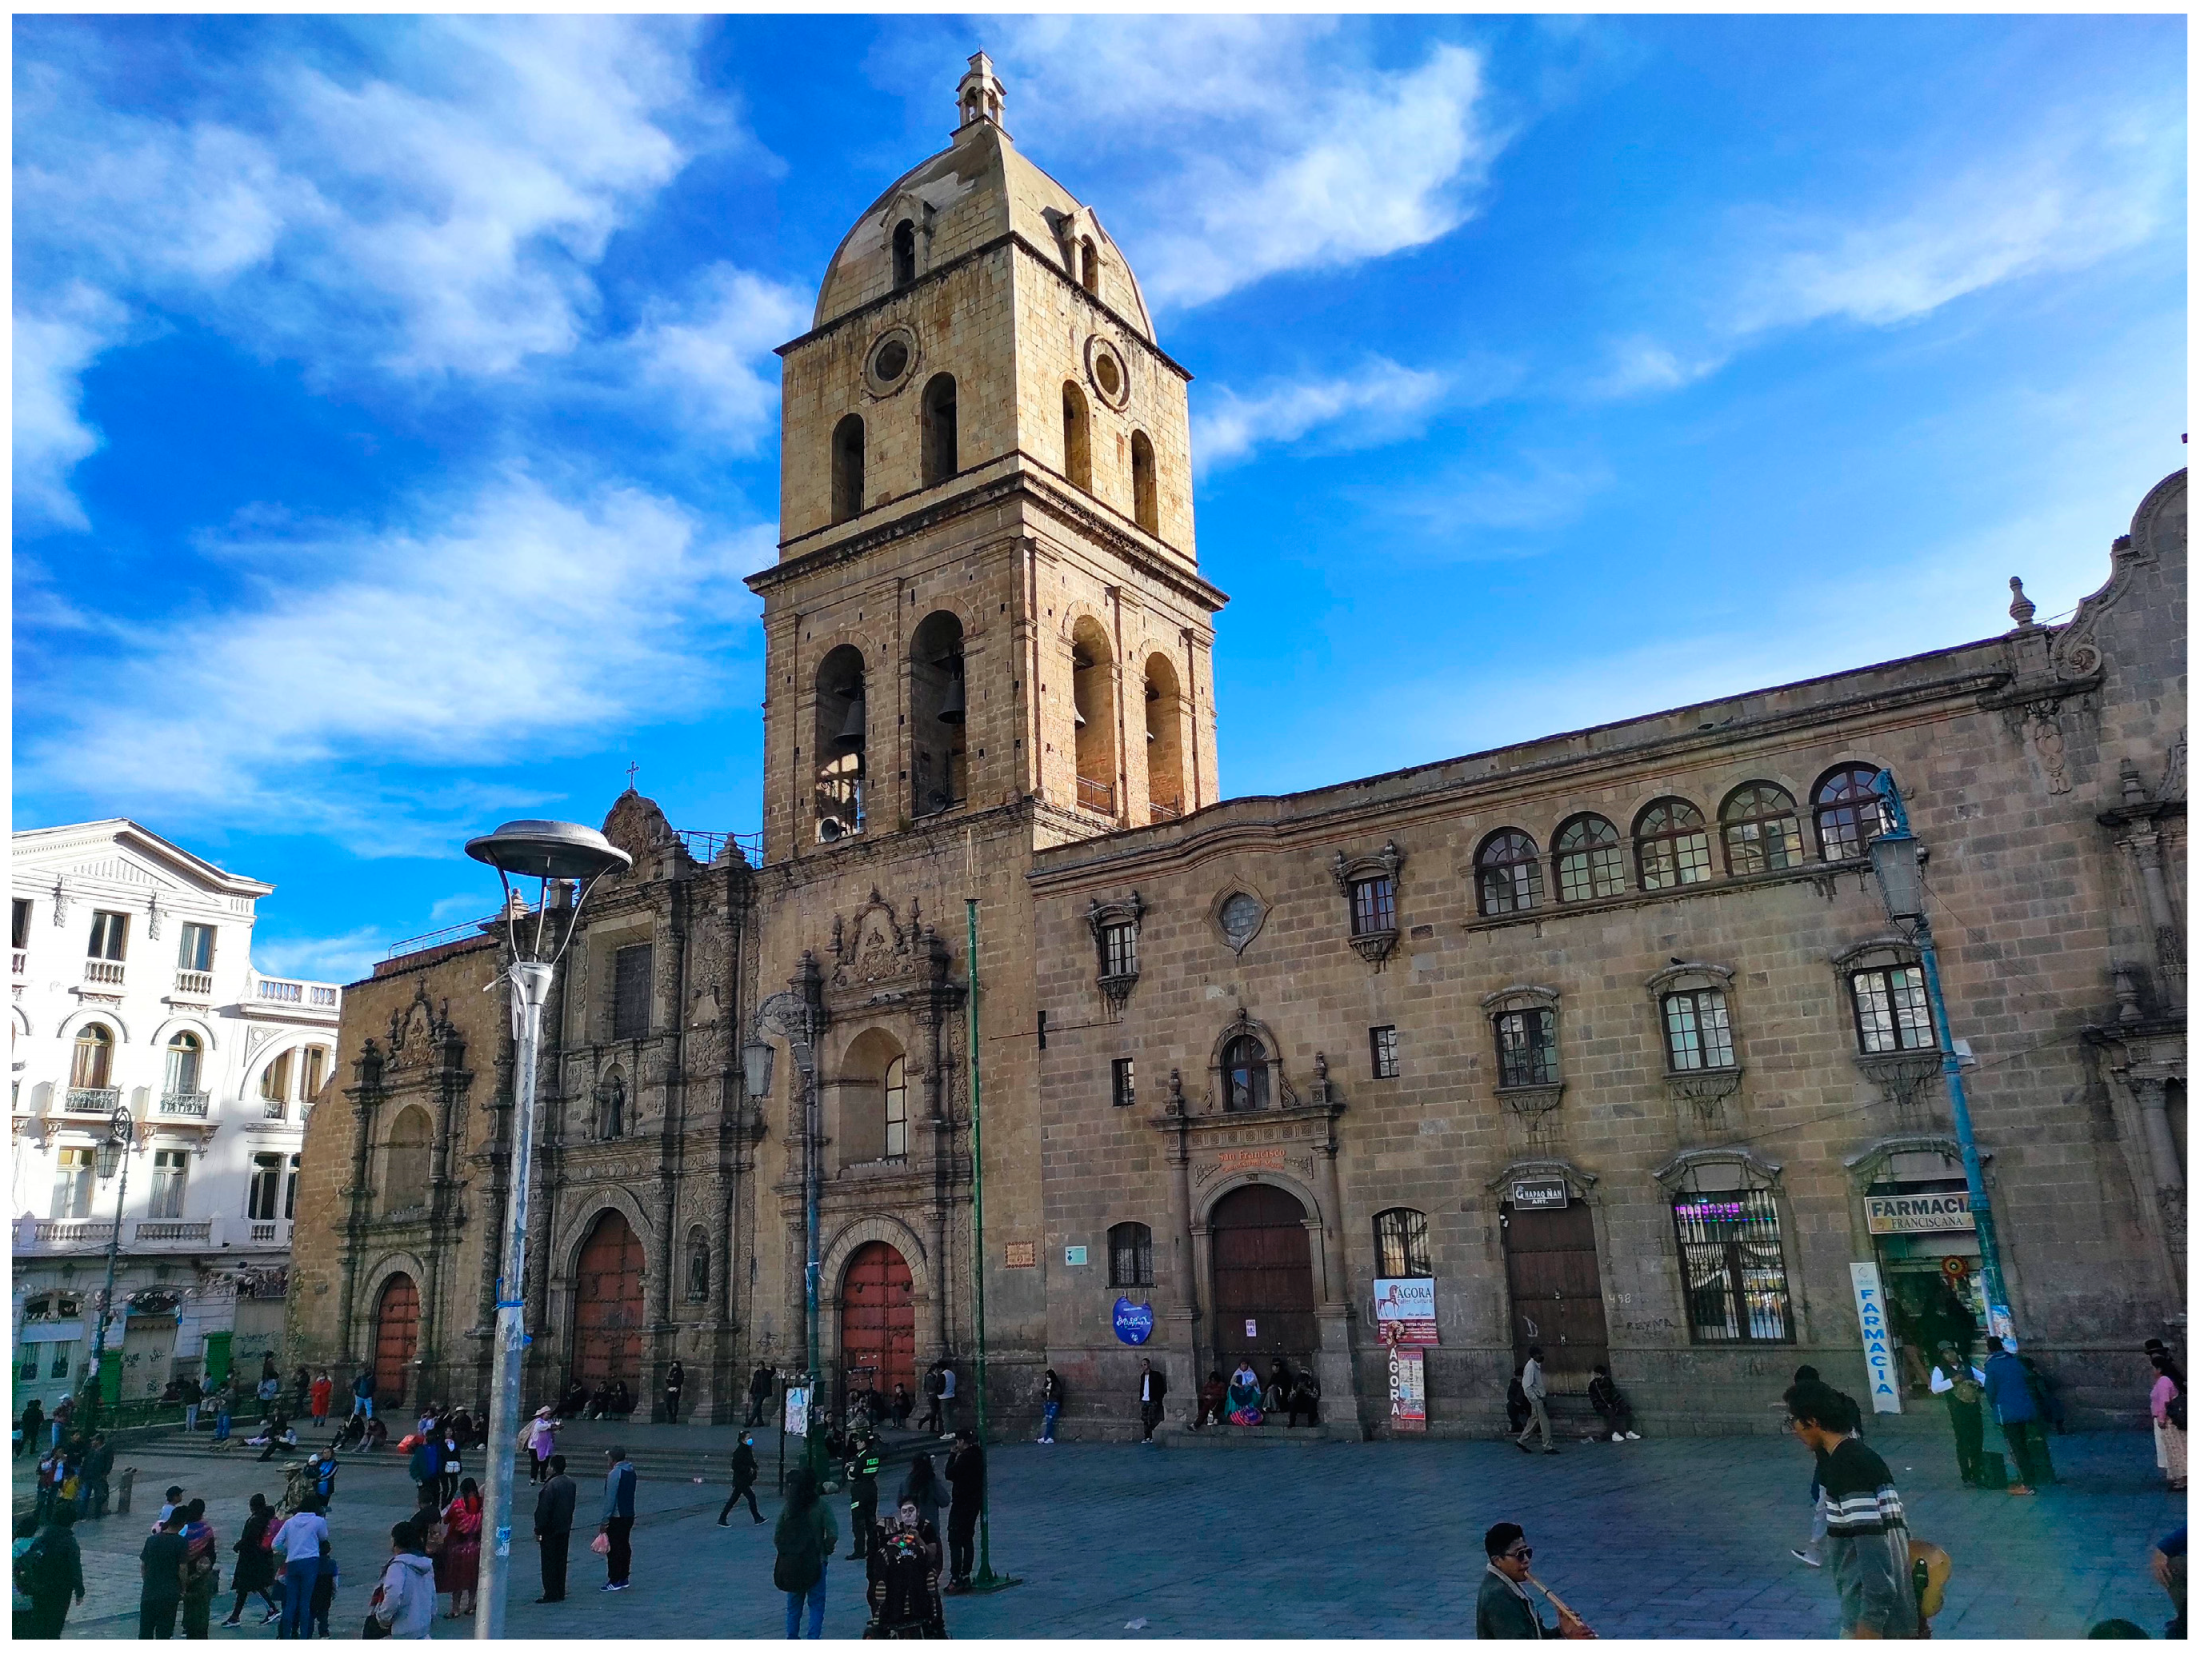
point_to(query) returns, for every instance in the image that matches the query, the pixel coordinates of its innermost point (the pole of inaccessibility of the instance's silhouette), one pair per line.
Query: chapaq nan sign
(1871, 1316)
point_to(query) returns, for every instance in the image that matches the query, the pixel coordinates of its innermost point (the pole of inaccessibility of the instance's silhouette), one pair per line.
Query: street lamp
(111, 1156)
(552, 853)
(1898, 862)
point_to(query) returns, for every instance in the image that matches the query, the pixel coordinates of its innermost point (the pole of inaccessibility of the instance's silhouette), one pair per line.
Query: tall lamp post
(797, 1019)
(112, 1155)
(553, 853)
(1898, 863)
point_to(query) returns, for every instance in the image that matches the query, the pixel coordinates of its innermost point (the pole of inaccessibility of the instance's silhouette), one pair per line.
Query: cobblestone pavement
(1648, 1539)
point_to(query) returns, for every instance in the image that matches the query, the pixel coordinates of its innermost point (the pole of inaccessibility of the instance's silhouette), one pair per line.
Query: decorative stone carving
(2044, 722)
(1238, 915)
(1115, 985)
(1905, 1078)
(1372, 945)
(2021, 608)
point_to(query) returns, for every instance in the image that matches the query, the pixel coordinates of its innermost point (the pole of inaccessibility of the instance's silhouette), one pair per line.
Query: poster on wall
(798, 1412)
(1405, 1311)
(1408, 1388)
(1871, 1317)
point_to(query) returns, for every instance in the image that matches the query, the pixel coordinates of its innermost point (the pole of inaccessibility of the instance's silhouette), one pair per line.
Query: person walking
(1152, 1387)
(760, 1394)
(298, 1543)
(254, 1571)
(98, 1468)
(2166, 1400)
(1504, 1610)
(675, 1382)
(947, 1399)
(618, 1518)
(223, 1402)
(160, 1579)
(1051, 1394)
(540, 1442)
(1867, 1536)
(966, 1480)
(362, 1392)
(50, 1571)
(2009, 1393)
(403, 1603)
(554, 1528)
(804, 1542)
(320, 1394)
(932, 1386)
(32, 1426)
(1963, 1386)
(860, 1474)
(423, 1465)
(1811, 1554)
(202, 1570)
(1531, 1386)
(744, 1481)
(458, 1564)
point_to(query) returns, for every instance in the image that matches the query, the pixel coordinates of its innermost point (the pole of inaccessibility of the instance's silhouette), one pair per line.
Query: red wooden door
(878, 1321)
(396, 1338)
(1264, 1274)
(607, 1309)
(1557, 1293)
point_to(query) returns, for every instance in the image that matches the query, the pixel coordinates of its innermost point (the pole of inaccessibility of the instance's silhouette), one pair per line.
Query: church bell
(851, 731)
(951, 705)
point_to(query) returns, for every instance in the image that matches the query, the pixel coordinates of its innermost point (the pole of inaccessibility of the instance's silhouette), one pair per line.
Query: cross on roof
(632, 770)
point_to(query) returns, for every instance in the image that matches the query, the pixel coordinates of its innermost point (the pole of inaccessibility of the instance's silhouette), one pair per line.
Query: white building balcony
(195, 984)
(104, 972)
(91, 1099)
(154, 1232)
(190, 1105)
(284, 995)
(19, 961)
(63, 1235)
(58, 1236)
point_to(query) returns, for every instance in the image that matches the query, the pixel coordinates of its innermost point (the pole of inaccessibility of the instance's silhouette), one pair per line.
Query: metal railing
(108, 971)
(436, 938)
(91, 1099)
(191, 1103)
(1097, 796)
(196, 983)
(1162, 810)
(707, 847)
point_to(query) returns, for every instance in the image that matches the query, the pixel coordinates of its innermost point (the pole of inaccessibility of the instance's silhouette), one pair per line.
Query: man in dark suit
(1152, 1386)
(554, 1528)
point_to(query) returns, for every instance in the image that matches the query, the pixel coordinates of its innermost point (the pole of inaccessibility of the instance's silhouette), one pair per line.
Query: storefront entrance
(1919, 1218)
(878, 1321)
(1557, 1292)
(1264, 1279)
(607, 1307)
(396, 1338)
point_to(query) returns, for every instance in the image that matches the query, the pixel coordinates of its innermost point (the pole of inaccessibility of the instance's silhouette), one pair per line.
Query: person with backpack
(744, 1481)
(804, 1542)
(50, 1571)
(362, 1393)
(403, 1604)
(2167, 1402)
(202, 1569)
(1965, 1387)
(254, 1572)
(2009, 1393)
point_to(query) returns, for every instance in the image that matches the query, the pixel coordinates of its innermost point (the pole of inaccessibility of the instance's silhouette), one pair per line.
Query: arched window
(1076, 437)
(1762, 834)
(939, 768)
(1088, 266)
(1847, 812)
(406, 1162)
(93, 1060)
(897, 1109)
(1092, 694)
(1697, 1033)
(1244, 1074)
(182, 1081)
(867, 1101)
(905, 253)
(1671, 846)
(1508, 873)
(848, 468)
(940, 461)
(1589, 863)
(1401, 1244)
(838, 743)
(698, 1274)
(1527, 1046)
(315, 1058)
(1164, 740)
(1130, 1255)
(1145, 492)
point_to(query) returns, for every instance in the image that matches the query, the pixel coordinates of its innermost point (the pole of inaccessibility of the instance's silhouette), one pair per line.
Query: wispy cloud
(1269, 142)
(345, 958)
(1380, 403)
(707, 354)
(56, 337)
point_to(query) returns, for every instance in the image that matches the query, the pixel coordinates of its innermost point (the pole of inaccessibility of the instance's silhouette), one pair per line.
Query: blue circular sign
(1133, 1322)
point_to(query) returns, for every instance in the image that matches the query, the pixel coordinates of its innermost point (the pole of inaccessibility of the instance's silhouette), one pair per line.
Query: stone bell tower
(986, 633)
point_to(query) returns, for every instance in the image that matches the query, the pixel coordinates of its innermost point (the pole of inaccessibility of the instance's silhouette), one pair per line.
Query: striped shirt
(1860, 1493)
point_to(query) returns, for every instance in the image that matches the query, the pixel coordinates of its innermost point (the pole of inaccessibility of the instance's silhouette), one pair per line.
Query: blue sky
(395, 412)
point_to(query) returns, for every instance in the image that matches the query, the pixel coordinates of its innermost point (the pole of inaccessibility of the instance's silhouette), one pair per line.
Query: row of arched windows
(1760, 830)
(1077, 457)
(938, 448)
(294, 1074)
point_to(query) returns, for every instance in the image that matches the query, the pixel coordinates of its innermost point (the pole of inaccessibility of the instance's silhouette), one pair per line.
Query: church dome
(974, 192)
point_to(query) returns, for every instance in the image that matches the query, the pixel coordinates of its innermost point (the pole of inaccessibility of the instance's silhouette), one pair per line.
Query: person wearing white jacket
(404, 1603)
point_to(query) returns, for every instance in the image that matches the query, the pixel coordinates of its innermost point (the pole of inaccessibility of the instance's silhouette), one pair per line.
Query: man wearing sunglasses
(1505, 1608)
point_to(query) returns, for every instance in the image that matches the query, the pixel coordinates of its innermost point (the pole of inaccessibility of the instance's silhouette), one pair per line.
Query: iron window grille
(1130, 1255)
(1401, 1245)
(1589, 861)
(630, 982)
(1382, 1052)
(1672, 847)
(1733, 1269)
(1848, 813)
(1118, 950)
(1527, 1048)
(1762, 833)
(1697, 1034)
(1374, 906)
(1509, 874)
(1123, 1081)
(1892, 1011)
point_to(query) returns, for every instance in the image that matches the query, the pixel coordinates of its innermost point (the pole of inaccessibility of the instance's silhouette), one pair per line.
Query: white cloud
(707, 354)
(1264, 145)
(52, 348)
(346, 958)
(1381, 402)
(1642, 364)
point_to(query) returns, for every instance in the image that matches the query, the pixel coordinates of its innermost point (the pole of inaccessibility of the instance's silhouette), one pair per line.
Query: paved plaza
(1650, 1539)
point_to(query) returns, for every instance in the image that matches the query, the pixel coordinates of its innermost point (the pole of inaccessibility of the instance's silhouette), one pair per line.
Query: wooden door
(1557, 1294)
(396, 1338)
(878, 1321)
(607, 1310)
(1264, 1274)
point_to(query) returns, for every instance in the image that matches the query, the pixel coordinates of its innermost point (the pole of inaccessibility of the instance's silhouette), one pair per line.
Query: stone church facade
(1606, 1036)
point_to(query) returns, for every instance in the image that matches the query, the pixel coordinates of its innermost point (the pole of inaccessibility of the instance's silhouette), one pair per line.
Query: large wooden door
(607, 1309)
(878, 1321)
(1264, 1275)
(396, 1338)
(1557, 1294)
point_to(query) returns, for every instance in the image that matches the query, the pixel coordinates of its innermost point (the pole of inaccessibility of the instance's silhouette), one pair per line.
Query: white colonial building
(133, 989)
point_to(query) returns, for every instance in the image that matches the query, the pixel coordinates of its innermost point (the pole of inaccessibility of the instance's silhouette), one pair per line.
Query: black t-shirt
(163, 1556)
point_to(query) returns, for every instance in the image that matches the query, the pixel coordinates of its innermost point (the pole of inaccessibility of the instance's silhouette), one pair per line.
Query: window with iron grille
(1589, 861)
(1374, 905)
(1762, 835)
(1123, 1082)
(1508, 873)
(1527, 1048)
(1382, 1052)
(1847, 812)
(1401, 1245)
(1733, 1270)
(1130, 1255)
(1696, 1031)
(630, 982)
(1892, 1011)
(1671, 846)
(1118, 950)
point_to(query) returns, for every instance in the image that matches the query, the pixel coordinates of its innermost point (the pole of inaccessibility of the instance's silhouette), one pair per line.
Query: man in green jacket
(1504, 1609)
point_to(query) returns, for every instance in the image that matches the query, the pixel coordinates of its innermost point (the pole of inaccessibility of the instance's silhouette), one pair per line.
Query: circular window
(1109, 376)
(893, 357)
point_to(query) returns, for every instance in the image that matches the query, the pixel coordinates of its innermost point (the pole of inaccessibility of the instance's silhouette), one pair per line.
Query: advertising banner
(1133, 1322)
(1871, 1316)
(1408, 1388)
(798, 1412)
(1917, 1214)
(1405, 1311)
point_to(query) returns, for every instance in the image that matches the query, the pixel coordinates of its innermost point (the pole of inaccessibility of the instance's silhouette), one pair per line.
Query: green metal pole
(985, 1579)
